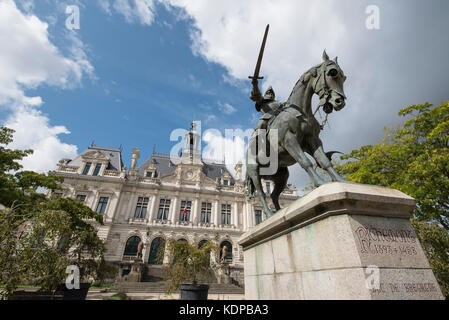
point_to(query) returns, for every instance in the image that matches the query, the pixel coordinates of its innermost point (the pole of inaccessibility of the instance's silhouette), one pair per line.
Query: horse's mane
(312, 72)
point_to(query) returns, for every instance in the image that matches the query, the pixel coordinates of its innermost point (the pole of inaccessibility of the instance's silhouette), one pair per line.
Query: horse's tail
(250, 186)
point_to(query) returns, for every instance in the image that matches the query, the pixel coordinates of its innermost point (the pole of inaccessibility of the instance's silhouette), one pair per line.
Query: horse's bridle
(325, 92)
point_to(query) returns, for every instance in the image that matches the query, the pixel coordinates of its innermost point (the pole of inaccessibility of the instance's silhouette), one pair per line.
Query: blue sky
(138, 69)
(146, 83)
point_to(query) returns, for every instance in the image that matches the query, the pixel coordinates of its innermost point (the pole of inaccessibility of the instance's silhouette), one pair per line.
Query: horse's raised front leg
(316, 148)
(292, 146)
(280, 181)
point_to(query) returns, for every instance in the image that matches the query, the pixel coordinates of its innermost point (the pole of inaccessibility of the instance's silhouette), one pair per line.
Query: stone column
(216, 213)
(129, 214)
(175, 211)
(102, 169)
(95, 199)
(196, 210)
(235, 215)
(91, 169)
(112, 206)
(152, 213)
(340, 242)
(245, 216)
(251, 218)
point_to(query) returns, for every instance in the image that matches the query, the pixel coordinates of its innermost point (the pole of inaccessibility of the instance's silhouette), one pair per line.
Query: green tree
(40, 237)
(414, 158)
(20, 187)
(189, 263)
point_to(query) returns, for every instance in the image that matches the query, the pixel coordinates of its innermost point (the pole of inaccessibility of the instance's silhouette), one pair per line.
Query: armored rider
(265, 104)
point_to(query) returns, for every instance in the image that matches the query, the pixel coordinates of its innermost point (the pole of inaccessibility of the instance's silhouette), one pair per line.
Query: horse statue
(298, 132)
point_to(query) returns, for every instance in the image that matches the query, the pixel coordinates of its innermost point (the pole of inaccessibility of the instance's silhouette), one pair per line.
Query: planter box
(36, 295)
(194, 292)
(62, 293)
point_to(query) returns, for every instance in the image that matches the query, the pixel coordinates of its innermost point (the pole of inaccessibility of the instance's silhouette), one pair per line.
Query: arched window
(158, 244)
(201, 243)
(131, 246)
(229, 253)
(182, 240)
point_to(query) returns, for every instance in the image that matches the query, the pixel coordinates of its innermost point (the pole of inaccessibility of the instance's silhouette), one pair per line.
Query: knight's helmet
(269, 94)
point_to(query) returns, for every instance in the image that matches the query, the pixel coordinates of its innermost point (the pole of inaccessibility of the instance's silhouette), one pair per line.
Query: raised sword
(259, 60)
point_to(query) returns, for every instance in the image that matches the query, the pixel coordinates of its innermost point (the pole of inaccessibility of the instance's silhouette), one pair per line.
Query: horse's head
(328, 85)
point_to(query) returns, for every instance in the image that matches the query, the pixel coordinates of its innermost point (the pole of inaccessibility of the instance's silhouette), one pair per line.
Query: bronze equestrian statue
(296, 127)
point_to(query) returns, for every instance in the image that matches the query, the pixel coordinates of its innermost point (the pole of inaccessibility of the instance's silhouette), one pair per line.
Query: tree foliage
(40, 237)
(20, 187)
(435, 242)
(188, 262)
(413, 158)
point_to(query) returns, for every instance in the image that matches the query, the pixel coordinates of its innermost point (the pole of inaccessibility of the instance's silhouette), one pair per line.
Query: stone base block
(341, 241)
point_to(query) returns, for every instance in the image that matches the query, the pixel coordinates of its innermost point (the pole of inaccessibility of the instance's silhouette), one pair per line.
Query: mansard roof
(160, 161)
(114, 156)
(164, 166)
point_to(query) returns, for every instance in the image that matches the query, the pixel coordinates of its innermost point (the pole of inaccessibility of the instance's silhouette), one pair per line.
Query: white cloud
(134, 11)
(230, 33)
(28, 60)
(105, 5)
(33, 131)
(230, 148)
(226, 108)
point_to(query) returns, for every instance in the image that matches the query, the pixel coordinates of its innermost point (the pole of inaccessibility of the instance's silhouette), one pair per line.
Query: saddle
(294, 110)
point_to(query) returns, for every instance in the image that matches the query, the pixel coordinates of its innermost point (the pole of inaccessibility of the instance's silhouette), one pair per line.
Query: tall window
(81, 197)
(157, 251)
(141, 208)
(258, 214)
(102, 203)
(184, 211)
(206, 209)
(97, 169)
(164, 207)
(268, 187)
(131, 246)
(87, 168)
(225, 214)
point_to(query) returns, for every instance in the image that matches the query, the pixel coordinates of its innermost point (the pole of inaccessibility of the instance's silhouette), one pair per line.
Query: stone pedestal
(136, 272)
(223, 274)
(341, 241)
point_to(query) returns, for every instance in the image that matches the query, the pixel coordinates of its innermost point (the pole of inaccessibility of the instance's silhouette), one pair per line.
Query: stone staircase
(160, 286)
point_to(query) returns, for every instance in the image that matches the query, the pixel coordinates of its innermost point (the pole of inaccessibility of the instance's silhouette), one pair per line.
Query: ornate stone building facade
(192, 200)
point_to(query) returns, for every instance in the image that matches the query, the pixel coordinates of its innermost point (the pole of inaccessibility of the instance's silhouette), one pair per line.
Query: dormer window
(226, 182)
(151, 173)
(97, 169)
(87, 168)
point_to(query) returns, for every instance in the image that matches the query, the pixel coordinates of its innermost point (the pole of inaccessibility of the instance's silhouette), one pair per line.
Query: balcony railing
(67, 168)
(111, 173)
